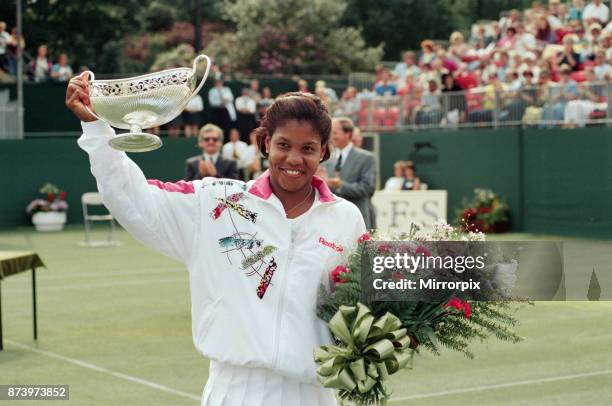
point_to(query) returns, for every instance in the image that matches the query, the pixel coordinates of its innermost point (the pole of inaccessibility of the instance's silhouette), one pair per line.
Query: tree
(403, 24)
(291, 36)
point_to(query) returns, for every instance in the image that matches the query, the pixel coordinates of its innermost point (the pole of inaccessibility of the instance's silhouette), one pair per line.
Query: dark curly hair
(304, 107)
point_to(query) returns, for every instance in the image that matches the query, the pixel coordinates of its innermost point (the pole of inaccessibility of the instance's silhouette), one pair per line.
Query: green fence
(555, 181)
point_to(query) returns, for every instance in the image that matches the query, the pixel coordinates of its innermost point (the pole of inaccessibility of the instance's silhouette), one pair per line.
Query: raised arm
(164, 216)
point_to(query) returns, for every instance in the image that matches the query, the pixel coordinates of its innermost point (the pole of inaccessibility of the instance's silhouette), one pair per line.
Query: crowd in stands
(39, 68)
(549, 64)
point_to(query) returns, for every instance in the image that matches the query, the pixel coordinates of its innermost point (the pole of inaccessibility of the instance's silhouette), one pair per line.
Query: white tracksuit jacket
(253, 288)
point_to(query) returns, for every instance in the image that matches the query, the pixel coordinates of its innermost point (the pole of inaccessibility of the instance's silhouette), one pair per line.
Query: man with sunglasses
(210, 163)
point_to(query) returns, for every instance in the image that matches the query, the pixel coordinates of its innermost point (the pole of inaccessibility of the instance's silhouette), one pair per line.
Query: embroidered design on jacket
(265, 280)
(252, 249)
(231, 201)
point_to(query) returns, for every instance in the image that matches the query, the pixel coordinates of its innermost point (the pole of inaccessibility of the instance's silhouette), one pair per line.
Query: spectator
(349, 105)
(255, 163)
(12, 51)
(192, 115)
(331, 93)
(428, 53)
(265, 102)
(386, 87)
(5, 39)
(235, 150)
(509, 39)
(430, 110)
(454, 100)
(481, 39)
(254, 90)
(554, 14)
(411, 181)
(61, 71)
(396, 182)
(576, 10)
(601, 69)
(568, 56)
(556, 97)
(513, 18)
(407, 65)
(41, 66)
(221, 100)
(596, 11)
(246, 107)
(302, 86)
(578, 111)
(210, 163)
(525, 40)
(353, 169)
(544, 33)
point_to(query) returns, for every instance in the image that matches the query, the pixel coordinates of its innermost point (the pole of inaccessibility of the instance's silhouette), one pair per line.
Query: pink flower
(363, 238)
(337, 274)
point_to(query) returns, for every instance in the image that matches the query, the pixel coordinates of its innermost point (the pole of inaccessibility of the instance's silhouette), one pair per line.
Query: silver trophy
(143, 102)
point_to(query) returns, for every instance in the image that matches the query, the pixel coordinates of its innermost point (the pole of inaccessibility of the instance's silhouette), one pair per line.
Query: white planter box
(49, 221)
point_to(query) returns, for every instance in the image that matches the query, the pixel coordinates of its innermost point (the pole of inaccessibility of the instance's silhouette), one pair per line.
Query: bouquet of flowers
(374, 339)
(484, 212)
(53, 199)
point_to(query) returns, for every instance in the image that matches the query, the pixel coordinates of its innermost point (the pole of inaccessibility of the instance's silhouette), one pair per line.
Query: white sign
(395, 211)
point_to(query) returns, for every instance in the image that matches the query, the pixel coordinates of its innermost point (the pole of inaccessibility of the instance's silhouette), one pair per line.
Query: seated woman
(395, 183)
(411, 182)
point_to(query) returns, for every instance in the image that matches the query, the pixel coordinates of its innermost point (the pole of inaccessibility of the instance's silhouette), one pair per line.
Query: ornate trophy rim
(146, 101)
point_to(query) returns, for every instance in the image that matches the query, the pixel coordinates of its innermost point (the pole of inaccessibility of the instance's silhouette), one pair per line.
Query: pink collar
(262, 188)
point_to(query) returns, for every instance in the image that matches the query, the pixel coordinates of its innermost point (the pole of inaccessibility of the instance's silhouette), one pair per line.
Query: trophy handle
(92, 77)
(195, 64)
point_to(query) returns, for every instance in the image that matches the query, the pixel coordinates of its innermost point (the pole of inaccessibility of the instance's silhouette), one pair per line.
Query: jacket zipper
(281, 302)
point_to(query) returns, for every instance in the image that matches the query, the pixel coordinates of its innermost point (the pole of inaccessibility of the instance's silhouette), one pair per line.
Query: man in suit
(210, 163)
(351, 173)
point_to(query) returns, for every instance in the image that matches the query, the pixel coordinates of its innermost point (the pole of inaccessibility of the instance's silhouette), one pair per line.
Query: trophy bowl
(142, 102)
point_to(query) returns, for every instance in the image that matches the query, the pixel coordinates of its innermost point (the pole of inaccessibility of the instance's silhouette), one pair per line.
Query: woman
(395, 183)
(411, 182)
(256, 252)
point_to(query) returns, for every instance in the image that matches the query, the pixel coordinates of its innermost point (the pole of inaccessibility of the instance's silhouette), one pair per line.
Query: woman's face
(294, 153)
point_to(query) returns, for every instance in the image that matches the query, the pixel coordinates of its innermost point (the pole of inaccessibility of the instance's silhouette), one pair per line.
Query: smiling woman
(294, 136)
(256, 253)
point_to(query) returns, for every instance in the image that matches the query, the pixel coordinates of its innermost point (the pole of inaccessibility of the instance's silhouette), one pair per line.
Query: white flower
(504, 278)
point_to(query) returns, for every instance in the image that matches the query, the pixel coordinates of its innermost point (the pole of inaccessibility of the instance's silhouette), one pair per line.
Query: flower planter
(49, 220)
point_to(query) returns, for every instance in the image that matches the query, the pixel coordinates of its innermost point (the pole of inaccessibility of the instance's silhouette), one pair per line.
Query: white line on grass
(501, 385)
(104, 274)
(97, 285)
(93, 367)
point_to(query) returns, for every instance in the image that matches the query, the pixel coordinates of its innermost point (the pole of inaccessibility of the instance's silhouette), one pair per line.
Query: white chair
(94, 199)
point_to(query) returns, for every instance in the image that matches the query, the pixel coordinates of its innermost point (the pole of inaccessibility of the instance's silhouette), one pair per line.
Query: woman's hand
(77, 97)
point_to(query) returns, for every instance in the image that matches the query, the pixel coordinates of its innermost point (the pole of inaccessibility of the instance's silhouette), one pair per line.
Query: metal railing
(567, 105)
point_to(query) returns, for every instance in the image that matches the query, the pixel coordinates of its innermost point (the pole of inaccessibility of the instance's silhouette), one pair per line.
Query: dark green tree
(403, 24)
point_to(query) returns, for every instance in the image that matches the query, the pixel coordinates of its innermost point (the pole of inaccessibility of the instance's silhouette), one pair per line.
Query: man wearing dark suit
(351, 173)
(210, 163)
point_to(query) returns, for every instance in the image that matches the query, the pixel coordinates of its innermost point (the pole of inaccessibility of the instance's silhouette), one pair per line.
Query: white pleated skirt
(230, 385)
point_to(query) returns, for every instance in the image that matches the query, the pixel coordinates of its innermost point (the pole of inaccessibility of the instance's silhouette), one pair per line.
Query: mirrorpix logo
(330, 244)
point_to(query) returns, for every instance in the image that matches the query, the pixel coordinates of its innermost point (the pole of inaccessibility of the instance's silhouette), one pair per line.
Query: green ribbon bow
(371, 351)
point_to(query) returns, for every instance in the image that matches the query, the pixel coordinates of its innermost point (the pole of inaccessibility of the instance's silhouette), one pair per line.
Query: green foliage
(291, 36)
(403, 24)
(429, 323)
(88, 31)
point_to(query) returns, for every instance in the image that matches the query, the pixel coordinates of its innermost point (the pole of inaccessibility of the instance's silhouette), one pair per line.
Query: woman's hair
(301, 107)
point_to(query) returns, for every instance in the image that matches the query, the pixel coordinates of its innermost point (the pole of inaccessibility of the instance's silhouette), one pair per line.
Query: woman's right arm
(164, 216)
